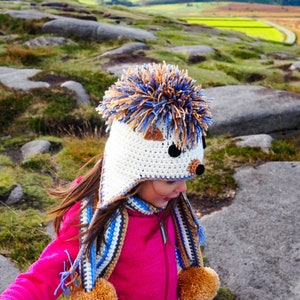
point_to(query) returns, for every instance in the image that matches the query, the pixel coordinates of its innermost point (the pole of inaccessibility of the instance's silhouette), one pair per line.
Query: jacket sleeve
(43, 277)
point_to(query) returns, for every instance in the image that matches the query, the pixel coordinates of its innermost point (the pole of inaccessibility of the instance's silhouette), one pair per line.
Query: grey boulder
(254, 244)
(245, 110)
(92, 30)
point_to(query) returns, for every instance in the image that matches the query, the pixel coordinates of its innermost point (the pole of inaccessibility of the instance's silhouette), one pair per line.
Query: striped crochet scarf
(100, 264)
(189, 236)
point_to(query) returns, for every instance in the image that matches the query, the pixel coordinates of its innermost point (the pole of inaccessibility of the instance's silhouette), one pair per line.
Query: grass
(224, 294)
(7, 178)
(14, 104)
(16, 54)
(22, 235)
(177, 9)
(49, 110)
(222, 157)
(78, 152)
(5, 161)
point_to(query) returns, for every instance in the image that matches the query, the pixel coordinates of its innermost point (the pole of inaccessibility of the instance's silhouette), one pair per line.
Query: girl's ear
(154, 134)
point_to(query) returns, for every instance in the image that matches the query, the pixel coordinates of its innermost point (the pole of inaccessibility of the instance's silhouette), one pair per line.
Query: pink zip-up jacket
(145, 270)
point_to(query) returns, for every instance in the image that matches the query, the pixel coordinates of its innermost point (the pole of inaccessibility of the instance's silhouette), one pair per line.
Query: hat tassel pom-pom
(198, 283)
(103, 290)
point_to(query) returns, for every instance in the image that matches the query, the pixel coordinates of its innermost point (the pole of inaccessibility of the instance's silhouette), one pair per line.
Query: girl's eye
(170, 181)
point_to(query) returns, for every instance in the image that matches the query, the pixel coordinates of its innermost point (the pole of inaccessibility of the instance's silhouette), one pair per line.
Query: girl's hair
(88, 186)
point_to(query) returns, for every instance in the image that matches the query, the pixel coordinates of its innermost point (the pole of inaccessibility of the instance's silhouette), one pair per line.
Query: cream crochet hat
(157, 119)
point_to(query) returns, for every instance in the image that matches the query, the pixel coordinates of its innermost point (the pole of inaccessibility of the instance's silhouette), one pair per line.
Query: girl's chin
(163, 202)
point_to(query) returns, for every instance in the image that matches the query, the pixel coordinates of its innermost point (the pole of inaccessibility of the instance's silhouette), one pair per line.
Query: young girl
(126, 229)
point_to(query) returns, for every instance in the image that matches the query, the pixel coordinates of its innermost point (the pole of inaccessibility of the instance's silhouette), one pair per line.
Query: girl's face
(160, 192)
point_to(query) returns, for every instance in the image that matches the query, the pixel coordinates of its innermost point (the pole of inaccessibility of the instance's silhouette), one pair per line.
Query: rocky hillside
(57, 59)
(100, 40)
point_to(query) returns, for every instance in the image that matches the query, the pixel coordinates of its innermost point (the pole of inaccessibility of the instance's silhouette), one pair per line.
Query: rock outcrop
(244, 110)
(91, 30)
(254, 244)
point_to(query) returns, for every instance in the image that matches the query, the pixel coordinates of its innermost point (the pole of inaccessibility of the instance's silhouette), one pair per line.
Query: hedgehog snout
(196, 167)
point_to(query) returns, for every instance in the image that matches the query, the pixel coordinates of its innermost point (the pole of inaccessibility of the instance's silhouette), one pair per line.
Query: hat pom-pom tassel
(103, 290)
(198, 283)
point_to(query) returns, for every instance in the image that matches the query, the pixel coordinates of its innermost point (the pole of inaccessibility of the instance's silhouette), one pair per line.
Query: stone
(295, 66)
(46, 41)
(20, 78)
(82, 97)
(50, 230)
(10, 271)
(263, 141)
(15, 196)
(91, 30)
(245, 110)
(85, 30)
(254, 244)
(35, 147)
(29, 14)
(193, 50)
(117, 70)
(127, 48)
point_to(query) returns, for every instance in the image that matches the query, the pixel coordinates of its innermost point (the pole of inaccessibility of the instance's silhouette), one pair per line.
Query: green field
(178, 9)
(251, 27)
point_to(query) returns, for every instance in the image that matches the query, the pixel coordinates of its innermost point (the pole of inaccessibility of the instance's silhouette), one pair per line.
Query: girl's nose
(181, 186)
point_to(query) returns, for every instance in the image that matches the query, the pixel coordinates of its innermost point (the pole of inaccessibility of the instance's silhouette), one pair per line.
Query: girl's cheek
(163, 188)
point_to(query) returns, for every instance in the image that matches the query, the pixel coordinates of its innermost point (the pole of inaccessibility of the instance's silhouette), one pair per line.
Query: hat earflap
(198, 283)
(103, 290)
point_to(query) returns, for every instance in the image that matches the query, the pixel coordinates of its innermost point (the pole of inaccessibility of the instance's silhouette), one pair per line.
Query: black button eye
(203, 142)
(174, 151)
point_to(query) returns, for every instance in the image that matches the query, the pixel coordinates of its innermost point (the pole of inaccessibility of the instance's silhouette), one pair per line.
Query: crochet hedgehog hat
(157, 119)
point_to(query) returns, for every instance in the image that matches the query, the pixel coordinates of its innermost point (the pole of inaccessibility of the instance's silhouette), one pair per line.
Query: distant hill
(156, 2)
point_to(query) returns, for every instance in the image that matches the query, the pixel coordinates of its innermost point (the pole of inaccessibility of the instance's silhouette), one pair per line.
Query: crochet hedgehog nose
(196, 168)
(200, 169)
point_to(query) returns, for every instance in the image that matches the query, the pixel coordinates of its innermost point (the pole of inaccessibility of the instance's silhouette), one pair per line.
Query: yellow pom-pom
(198, 283)
(103, 290)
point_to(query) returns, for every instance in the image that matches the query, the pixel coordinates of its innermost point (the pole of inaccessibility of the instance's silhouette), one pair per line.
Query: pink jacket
(146, 268)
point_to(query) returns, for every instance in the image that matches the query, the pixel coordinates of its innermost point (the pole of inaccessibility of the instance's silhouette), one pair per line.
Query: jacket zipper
(164, 239)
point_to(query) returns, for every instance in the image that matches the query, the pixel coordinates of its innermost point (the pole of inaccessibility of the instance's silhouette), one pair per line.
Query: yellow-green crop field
(251, 27)
(89, 2)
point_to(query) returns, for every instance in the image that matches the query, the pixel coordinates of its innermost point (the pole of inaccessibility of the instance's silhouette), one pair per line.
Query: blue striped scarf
(189, 237)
